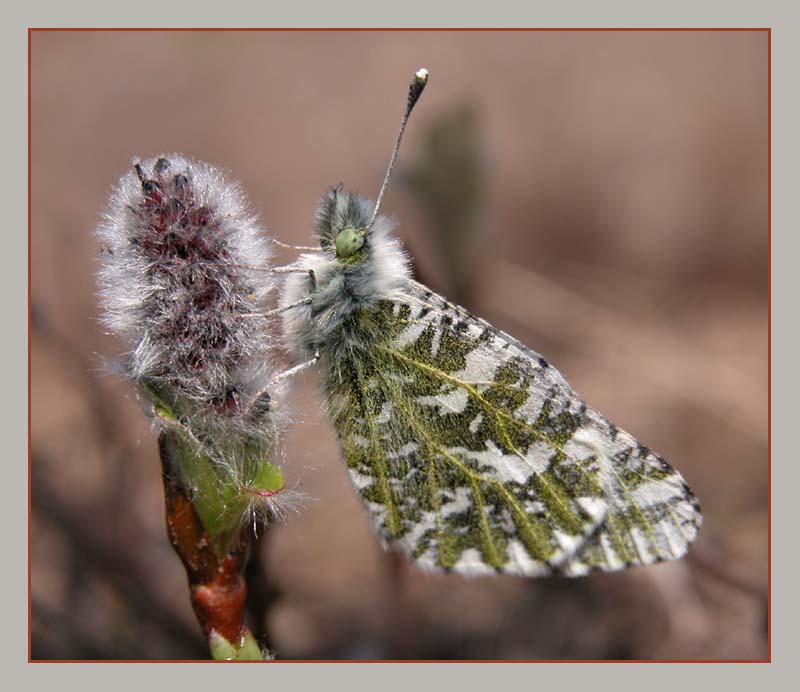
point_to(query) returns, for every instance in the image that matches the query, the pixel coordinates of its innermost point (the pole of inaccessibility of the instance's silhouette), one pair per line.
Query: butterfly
(471, 452)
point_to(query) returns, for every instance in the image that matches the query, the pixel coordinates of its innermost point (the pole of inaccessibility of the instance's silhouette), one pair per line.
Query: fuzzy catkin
(184, 282)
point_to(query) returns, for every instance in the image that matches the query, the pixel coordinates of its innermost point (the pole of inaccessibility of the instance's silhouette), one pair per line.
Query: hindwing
(473, 454)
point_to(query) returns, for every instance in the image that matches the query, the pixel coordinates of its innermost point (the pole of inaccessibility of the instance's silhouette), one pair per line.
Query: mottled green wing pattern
(473, 454)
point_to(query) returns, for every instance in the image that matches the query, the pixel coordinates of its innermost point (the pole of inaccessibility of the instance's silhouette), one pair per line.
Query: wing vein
(500, 415)
(530, 533)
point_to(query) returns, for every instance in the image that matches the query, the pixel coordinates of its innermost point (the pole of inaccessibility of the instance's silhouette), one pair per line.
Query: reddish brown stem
(216, 586)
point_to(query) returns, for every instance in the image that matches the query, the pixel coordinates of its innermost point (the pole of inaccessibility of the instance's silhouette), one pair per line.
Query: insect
(470, 452)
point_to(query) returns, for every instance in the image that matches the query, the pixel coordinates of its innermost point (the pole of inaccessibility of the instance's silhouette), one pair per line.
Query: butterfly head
(345, 220)
(342, 223)
(349, 241)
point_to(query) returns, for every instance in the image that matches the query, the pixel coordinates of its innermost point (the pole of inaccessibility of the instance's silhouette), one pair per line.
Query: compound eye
(349, 242)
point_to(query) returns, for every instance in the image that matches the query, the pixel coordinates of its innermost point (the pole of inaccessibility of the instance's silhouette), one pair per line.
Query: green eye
(348, 242)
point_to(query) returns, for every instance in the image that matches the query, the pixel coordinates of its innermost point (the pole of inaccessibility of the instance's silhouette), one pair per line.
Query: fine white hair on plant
(183, 259)
(184, 282)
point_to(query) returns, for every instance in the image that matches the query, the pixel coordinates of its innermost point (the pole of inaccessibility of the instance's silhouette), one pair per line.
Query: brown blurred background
(602, 196)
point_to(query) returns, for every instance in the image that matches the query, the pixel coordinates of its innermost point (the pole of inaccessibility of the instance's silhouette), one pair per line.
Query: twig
(217, 588)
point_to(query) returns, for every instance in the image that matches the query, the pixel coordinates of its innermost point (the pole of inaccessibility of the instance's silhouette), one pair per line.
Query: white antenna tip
(421, 74)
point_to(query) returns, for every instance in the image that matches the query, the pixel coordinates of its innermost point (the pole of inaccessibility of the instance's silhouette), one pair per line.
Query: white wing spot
(642, 545)
(676, 543)
(593, 507)
(385, 415)
(610, 554)
(461, 503)
(360, 440)
(505, 467)
(454, 401)
(471, 562)
(654, 492)
(475, 423)
(361, 480)
(409, 335)
(569, 544)
(480, 367)
(525, 564)
(576, 569)
(405, 451)
(436, 342)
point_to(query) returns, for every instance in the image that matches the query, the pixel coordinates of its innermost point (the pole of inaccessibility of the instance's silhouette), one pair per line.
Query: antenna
(415, 90)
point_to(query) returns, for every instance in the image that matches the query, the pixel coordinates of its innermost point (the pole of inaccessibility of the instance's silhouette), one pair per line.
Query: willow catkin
(185, 283)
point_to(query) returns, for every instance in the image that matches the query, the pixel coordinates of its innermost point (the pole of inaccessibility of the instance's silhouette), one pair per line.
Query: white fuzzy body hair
(339, 287)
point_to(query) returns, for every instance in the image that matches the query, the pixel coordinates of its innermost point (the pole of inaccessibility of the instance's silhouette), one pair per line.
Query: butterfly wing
(472, 454)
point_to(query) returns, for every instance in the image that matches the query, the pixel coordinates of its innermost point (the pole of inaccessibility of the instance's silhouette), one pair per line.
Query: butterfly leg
(291, 372)
(294, 269)
(284, 308)
(292, 247)
(278, 311)
(288, 269)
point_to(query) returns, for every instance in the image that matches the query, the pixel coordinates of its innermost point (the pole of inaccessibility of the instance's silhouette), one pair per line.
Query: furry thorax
(329, 290)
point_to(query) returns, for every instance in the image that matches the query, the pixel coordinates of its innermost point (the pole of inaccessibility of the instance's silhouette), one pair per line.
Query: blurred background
(602, 196)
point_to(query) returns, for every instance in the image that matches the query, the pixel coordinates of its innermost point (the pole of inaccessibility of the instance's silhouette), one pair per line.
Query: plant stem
(217, 588)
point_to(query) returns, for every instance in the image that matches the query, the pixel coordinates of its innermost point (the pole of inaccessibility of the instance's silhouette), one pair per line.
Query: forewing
(473, 454)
